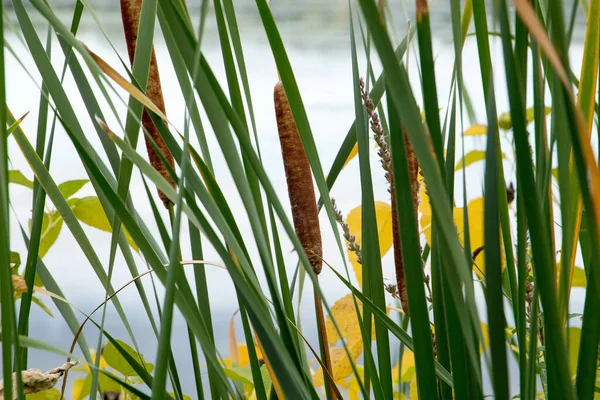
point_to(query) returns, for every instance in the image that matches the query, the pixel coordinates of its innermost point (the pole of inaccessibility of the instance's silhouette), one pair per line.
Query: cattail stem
(330, 387)
(130, 13)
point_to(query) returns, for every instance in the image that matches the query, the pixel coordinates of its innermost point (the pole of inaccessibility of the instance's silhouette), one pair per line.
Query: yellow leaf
(125, 84)
(414, 392)
(408, 368)
(340, 364)
(344, 313)
(353, 386)
(383, 213)
(472, 157)
(475, 214)
(574, 339)
(485, 331)
(486, 337)
(80, 388)
(103, 363)
(353, 154)
(578, 277)
(476, 130)
(243, 357)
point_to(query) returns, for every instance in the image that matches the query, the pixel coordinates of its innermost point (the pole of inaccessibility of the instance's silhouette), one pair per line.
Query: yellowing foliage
(408, 368)
(476, 130)
(352, 154)
(578, 277)
(476, 219)
(414, 392)
(383, 213)
(344, 313)
(340, 364)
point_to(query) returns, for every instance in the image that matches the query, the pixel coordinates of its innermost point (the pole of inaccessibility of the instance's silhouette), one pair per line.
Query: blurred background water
(316, 35)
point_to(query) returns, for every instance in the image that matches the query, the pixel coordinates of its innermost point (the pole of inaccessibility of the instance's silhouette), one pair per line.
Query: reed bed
(483, 301)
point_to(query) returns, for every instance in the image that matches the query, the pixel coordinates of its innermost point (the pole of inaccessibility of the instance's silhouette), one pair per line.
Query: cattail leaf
(383, 214)
(38, 302)
(15, 125)
(125, 84)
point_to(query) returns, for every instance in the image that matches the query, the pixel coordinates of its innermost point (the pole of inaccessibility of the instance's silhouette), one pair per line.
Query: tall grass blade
(372, 268)
(7, 310)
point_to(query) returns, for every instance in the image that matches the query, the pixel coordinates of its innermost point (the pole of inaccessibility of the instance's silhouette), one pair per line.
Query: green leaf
(118, 362)
(52, 394)
(17, 177)
(530, 113)
(471, 157)
(69, 188)
(51, 227)
(108, 385)
(579, 278)
(574, 340)
(243, 376)
(266, 377)
(505, 121)
(15, 260)
(89, 211)
(135, 380)
(41, 305)
(238, 374)
(185, 396)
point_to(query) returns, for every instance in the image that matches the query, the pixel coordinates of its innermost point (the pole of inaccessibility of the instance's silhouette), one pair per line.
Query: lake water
(316, 35)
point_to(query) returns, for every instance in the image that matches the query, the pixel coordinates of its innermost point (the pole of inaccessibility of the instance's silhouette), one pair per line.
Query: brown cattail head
(413, 171)
(130, 12)
(386, 163)
(299, 180)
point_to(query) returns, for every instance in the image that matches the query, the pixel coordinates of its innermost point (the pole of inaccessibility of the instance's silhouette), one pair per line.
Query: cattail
(299, 180)
(130, 12)
(386, 163)
(413, 171)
